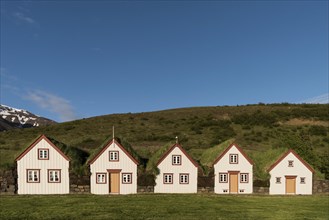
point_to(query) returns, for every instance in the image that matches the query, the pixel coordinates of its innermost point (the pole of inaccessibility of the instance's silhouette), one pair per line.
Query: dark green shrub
(146, 179)
(257, 118)
(206, 181)
(324, 165)
(318, 130)
(261, 183)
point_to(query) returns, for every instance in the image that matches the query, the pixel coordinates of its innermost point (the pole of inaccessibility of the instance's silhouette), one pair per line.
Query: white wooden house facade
(42, 168)
(178, 172)
(233, 171)
(290, 174)
(113, 170)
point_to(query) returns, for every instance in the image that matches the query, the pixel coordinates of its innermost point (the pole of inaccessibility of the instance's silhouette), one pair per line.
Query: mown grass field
(155, 206)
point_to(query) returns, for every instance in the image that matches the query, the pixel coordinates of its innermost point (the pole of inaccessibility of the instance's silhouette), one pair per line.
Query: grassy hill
(263, 131)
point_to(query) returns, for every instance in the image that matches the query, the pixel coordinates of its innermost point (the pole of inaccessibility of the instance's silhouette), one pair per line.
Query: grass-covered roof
(153, 160)
(209, 155)
(124, 143)
(77, 156)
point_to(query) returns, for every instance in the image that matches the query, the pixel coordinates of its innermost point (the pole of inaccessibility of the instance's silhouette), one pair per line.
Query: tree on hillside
(301, 143)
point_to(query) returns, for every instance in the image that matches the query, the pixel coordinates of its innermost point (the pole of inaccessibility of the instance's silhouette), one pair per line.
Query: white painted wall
(243, 166)
(30, 161)
(299, 170)
(186, 167)
(102, 164)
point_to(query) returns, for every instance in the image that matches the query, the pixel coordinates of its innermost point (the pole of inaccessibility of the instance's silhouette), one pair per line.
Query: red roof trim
(239, 149)
(109, 143)
(41, 137)
(182, 149)
(296, 155)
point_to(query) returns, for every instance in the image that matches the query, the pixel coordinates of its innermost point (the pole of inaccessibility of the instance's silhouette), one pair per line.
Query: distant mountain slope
(263, 131)
(17, 118)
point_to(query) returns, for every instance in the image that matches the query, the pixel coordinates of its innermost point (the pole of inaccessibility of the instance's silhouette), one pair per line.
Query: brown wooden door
(114, 182)
(233, 183)
(290, 185)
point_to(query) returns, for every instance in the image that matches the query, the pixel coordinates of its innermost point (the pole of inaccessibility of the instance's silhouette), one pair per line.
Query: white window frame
(176, 159)
(184, 178)
(234, 158)
(290, 163)
(168, 178)
(278, 180)
(244, 177)
(127, 178)
(54, 176)
(34, 174)
(43, 154)
(113, 155)
(223, 177)
(303, 180)
(101, 178)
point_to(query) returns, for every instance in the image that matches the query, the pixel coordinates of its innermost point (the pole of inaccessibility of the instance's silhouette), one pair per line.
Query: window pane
(30, 176)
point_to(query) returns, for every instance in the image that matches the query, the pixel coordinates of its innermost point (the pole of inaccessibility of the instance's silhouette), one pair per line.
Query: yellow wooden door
(114, 182)
(233, 183)
(290, 185)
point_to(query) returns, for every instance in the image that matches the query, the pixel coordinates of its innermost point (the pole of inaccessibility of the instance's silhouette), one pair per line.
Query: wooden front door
(290, 185)
(233, 182)
(114, 182)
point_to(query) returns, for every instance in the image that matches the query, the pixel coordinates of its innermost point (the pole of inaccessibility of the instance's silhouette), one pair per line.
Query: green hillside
(263, 131)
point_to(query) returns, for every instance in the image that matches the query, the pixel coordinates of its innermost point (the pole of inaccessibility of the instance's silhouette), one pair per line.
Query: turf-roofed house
(290, 174)
(43, 168)
(177, 172)
(233, 171)
(114, 169)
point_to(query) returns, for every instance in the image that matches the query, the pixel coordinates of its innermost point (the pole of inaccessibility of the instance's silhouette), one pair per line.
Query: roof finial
(176, 139)
(113, 131)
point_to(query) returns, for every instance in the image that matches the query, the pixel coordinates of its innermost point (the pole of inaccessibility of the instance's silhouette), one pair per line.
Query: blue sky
(76, 59)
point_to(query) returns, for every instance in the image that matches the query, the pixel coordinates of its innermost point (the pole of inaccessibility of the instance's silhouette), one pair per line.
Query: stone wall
(321, 186)
(145, 189)
(8, 182)
(261, 190)
(207, 189)
(79, 189)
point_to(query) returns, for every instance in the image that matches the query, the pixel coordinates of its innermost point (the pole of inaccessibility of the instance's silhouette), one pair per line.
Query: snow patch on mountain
(21, 118)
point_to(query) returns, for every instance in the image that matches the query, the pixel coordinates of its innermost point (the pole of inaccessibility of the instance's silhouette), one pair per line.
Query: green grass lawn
(167, 206)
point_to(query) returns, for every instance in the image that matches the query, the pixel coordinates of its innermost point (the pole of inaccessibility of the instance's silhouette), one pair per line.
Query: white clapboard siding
(300, 169)
(222, 165)
(101, 164)
(188, 166)
(29, 160)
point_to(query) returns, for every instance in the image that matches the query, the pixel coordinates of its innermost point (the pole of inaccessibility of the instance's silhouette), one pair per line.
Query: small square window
(244, 178)
(43, 154)
(176, 160)
(100, 178)
(223, 177)
(290, 163)
(234, 158)
(277, 179)
(114, 155)
(33, 176)
(184, 178)
(167, 178)
(302, 180)
(54, 176)
(126, 178)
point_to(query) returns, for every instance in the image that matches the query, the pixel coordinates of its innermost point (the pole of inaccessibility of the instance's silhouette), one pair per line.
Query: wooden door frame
(114, 171)
(237, 180)
(290, 177)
